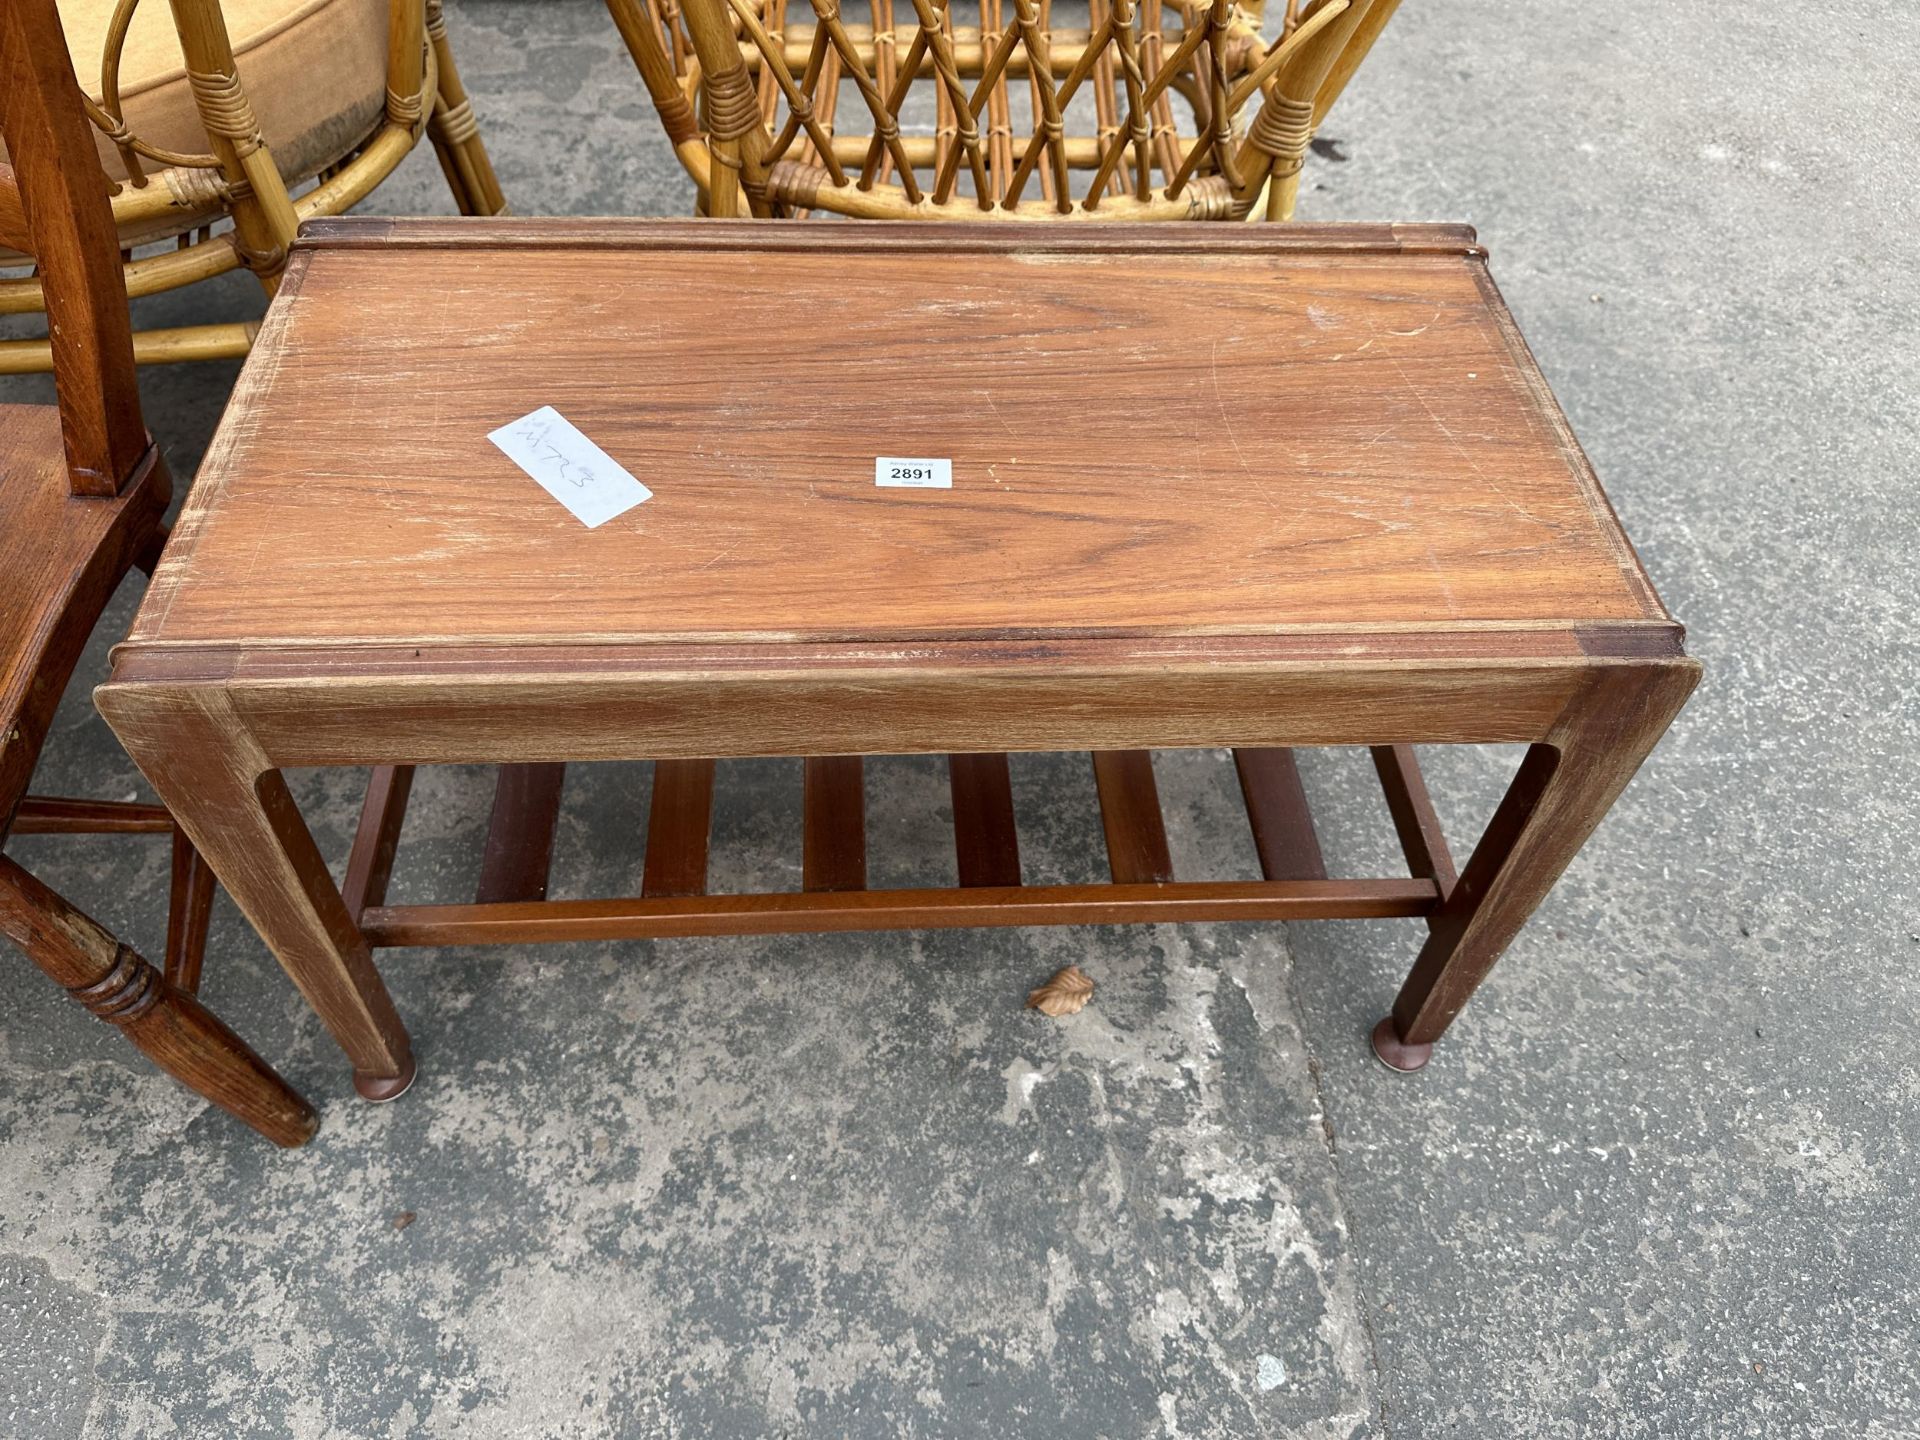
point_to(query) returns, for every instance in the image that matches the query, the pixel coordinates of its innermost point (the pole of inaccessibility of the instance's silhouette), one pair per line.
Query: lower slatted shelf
(673, 902)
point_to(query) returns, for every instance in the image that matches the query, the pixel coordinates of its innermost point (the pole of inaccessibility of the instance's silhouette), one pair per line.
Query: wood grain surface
(1262, 433)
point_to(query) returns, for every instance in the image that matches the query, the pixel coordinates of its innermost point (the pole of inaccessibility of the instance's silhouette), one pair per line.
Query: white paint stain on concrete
(1023, 1078)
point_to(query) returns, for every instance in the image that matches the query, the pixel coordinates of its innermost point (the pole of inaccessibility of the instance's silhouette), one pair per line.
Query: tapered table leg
(235, 807)
(1564, 786)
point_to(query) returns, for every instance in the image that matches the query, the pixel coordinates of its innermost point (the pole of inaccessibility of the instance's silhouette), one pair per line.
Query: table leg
(1565, 785)
(235, 807)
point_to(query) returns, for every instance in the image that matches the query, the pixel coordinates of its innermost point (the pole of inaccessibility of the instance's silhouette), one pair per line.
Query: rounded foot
(381, 1088)
(1393, 1053)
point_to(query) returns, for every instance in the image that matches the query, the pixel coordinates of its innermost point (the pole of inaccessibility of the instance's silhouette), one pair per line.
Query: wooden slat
(376, 839)
(1277, 809)
(986, 906)
(526, 807)
(57, 815)
(835, 855)
(679, 822)
(1130, 811)
(1414, 818)
(986, 841)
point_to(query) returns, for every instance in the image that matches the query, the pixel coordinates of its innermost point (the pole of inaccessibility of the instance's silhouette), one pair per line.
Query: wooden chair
(83, 490)
(219, 111)
(751, 103)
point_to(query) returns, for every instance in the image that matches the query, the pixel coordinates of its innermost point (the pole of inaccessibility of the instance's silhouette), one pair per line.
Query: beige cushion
(314, 70)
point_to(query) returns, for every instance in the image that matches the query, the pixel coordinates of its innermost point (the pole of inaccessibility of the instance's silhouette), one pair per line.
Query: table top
(1170, 431)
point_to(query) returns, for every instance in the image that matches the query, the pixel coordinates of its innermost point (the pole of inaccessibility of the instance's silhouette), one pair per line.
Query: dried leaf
(1065, 994)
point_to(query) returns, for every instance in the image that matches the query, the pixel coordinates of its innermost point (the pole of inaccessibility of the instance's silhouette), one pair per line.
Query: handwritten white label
(570, 467)
(913, 474)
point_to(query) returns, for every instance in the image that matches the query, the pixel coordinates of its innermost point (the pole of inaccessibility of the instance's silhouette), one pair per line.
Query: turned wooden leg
(200, 758)
(164, 1022)
(1564, 787)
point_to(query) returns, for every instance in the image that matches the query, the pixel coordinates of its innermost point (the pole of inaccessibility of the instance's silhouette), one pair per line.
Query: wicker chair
(210, 117)
(750, 102)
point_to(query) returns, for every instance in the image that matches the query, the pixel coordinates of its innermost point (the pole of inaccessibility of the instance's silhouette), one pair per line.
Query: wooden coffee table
(1254, 487)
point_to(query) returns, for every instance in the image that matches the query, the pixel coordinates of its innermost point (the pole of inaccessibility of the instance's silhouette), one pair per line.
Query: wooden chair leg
(151, 548)
(164, 1022)
(1564, 787)
(189, 910)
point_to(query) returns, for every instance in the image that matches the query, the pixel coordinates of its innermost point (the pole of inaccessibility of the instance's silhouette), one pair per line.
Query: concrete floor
(1659, 1180)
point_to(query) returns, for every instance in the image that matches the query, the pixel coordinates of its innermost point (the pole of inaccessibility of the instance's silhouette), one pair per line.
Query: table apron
(439, 720)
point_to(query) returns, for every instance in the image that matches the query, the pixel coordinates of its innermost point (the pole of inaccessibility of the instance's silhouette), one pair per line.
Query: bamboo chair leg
(164, 1022)
(1283, 194)
(449, 166)
(1258, 210)
(263, 216)
(1275, 147)
(1355, 51)
(738, 141)
(456, 134)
